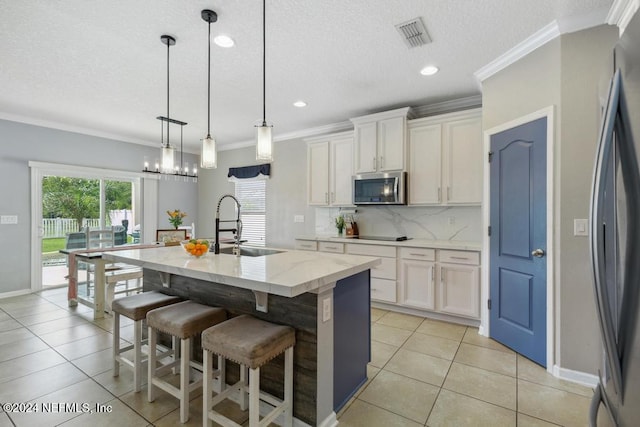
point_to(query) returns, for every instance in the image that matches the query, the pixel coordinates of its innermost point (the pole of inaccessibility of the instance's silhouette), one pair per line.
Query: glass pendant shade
(264, 145)
(208, 155)
(167, 159)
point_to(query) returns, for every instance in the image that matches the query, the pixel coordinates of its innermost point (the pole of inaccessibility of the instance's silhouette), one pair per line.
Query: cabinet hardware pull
(381, 162)
(439, 195)
(459, 257)
(448, 193)
(433, 275)
(333, 196)
(331, 247)
(411, 253)
(374, 163)
(326, 197)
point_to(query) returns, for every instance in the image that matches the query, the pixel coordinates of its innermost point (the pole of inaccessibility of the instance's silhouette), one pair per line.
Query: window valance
(250, 172)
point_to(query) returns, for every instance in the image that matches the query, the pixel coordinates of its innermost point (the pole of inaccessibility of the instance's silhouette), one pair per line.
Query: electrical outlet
(9, 219)
(298, 218)
(326, 309)
(580, 227)
(452, 220)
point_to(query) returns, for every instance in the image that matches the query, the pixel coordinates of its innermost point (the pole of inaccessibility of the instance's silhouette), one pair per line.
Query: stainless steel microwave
(380, 188)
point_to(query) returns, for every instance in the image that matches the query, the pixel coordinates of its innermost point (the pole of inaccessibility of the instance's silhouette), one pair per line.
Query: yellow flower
(175, 217)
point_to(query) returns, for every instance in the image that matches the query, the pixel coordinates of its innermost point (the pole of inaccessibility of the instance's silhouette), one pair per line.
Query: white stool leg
(207, 365)
(254, 397)
(185, 356)
(116, 344)
(152, 365)
(288, 387)
(222, 377)
(175, 344)
(137, 355)
(243, 398)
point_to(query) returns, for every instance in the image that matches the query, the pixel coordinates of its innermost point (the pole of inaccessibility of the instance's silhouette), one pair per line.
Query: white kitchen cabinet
(446, 161)
(306, 245)
(416, 284)
(380, 141)
(459, 289)
(336, 248)
(384, 275)
(329, 170)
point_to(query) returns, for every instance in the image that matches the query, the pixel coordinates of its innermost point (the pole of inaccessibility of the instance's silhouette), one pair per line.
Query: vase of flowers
(175, 217)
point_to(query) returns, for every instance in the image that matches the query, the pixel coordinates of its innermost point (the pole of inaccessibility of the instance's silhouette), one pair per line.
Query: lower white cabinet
(384, 275)
(417, 284)
(306, 245)
(459, 290)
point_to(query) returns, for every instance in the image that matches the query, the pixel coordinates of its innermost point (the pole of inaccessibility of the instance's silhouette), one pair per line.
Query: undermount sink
(250, 251)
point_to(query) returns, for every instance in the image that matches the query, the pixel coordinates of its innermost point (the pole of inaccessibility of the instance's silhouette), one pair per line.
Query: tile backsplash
(456, 223)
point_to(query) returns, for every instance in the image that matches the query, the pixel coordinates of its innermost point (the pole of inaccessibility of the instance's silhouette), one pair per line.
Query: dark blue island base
(330, 357)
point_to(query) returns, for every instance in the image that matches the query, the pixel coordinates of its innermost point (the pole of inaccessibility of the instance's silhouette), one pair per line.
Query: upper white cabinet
(330, 166)
(446, 161)
(380, 141)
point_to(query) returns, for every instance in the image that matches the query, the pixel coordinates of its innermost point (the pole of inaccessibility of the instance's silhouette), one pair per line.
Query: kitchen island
(325, 297)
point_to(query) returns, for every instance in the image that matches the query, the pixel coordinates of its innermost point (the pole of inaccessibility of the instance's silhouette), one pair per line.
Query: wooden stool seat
(252, 343)
(183, 320)
(135, 307)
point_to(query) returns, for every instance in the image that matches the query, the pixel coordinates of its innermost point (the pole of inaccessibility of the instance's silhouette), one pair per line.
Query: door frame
(549, 114)
(41, 169)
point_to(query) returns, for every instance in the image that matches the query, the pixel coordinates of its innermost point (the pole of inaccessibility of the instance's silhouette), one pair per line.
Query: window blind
(252, 197)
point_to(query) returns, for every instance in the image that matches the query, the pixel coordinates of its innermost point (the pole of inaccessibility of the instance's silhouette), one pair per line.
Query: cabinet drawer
(371, 250)
(418, 254)
(385, 270)
(460, 257)
(306, 245)
(337, 248)
(383, 290)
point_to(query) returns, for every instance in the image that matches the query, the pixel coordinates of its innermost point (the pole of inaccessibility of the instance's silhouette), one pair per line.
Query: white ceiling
(99, 67)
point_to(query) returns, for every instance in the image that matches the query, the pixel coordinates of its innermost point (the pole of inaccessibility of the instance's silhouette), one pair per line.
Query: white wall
(20, 143)
(286, 192)
(566, 73)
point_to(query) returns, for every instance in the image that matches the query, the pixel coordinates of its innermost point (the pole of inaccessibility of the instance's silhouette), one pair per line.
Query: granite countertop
(289, 273)
(411, 243)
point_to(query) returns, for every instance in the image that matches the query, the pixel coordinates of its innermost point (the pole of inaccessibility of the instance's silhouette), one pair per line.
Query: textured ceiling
(99, 66)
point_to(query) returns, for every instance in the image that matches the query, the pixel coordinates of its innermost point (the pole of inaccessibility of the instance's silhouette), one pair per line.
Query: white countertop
(411, 243)
(289, 273)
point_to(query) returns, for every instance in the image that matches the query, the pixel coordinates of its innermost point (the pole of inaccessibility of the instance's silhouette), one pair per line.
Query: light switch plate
(298, 218)
(9, 219)
(580, 227)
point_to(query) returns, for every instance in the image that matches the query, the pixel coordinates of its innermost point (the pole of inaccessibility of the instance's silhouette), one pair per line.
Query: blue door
(518, 266)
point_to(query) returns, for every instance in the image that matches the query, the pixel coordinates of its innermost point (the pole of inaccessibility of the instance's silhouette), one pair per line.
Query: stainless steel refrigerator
(615, 237)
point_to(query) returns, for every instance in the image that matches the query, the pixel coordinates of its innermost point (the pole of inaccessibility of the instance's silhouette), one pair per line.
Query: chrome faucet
(236, 231)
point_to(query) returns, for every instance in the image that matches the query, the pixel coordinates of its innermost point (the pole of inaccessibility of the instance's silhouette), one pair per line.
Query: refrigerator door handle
(604, 152)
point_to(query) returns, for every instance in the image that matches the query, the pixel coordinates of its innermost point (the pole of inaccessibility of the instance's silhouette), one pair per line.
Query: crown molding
(467, 103)
(75, 129)
(621, 13)
(303, 133)
(540, 38)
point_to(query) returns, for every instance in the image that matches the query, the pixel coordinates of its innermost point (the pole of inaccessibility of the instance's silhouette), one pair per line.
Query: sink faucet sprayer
(237, 231)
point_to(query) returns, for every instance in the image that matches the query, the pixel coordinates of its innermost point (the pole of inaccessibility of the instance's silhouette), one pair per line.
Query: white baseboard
(330, 421)
(578, 377)
(482, 332)
(15, 293)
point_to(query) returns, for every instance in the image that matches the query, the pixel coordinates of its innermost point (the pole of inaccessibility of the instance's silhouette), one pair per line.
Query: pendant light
(264, 144)
(208, 154)
(166, 165)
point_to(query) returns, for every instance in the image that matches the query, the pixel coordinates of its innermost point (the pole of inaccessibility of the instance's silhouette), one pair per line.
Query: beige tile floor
(422, 372)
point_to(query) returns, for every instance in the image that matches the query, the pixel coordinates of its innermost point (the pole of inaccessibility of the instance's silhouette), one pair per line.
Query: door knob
(538, 253)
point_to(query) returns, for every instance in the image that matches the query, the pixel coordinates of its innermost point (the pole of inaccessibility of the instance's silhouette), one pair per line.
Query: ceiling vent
(413, 33)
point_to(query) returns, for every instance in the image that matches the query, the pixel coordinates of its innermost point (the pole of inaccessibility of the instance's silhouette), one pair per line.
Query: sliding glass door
(68, 200)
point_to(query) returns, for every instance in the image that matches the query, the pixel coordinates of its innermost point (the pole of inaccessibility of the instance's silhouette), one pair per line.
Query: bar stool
(183, 320)
(251, 343)
(135, 307)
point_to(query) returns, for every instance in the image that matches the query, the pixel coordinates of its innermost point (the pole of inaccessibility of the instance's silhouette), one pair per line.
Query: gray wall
(286, 192)
(20, 143)
(566, 73)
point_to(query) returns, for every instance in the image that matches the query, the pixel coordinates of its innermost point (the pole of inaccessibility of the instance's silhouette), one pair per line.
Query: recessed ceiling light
(429, 70)
(300, 104)
(223, 41)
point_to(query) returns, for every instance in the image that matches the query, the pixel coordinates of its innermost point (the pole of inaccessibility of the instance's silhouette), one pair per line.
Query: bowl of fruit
(196, 247)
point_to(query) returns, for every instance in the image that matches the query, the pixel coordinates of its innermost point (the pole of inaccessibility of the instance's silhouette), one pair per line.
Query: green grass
(52, 245)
